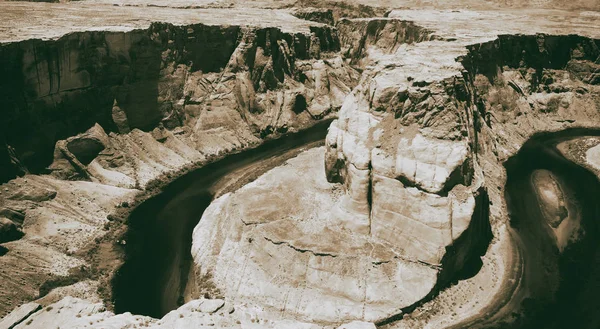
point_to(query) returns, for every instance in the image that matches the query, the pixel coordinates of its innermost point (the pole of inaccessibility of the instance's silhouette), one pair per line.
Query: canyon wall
(428, 112)
(425, 130)
(105, 117)
(163, 76)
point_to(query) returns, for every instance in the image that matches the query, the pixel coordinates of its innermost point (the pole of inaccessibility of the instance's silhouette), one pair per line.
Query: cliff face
(534, 83)
(55, 89)
(423, 133)
(117, 113)
(359, 36)
(408, 192)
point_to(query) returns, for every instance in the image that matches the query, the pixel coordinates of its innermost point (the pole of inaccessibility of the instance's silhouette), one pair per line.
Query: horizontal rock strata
(111, 114)
(413, 170)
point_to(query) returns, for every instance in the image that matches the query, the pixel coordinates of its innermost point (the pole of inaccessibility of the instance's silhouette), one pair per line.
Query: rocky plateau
(299, 164)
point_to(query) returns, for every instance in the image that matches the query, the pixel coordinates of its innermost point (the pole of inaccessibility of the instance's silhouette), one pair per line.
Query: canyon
(299, 164)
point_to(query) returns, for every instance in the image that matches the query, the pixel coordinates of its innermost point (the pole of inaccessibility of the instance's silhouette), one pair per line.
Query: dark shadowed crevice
(299, 104)
(154, 274)
(462, 174)
(463, 259)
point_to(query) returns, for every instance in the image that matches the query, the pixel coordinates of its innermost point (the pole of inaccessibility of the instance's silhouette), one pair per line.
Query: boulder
(73, 155)
(85, 147)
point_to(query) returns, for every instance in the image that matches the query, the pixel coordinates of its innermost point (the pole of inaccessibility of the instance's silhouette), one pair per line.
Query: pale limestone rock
(77, 313)
(211, 305)
(592, 157)
(190, 315)
(382, 163)
(194, 314)
(110, 177)
(358, 325)
(417, 224)
(356, 202)
(303, 259)
(463, 206)
(18, 315)
(428, 163)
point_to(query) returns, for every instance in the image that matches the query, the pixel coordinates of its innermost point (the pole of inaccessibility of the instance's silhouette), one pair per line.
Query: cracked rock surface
(277, 243)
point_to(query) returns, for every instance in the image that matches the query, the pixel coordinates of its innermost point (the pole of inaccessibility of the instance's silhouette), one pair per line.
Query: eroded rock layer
(291, 255)
(112, 114)
(229, 86)
(375, 228)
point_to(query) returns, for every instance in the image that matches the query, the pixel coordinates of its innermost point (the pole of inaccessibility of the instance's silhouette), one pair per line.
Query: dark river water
(153, 279)
(559, 289)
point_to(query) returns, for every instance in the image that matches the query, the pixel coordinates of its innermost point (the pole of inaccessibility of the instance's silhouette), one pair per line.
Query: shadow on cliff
(53, 89)
(463, 258)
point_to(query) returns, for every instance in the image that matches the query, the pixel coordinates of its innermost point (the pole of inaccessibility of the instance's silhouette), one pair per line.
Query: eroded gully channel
(554, 211)
(153, 279)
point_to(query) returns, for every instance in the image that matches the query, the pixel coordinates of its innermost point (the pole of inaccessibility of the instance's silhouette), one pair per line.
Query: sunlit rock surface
(431, 103)
(279, 243)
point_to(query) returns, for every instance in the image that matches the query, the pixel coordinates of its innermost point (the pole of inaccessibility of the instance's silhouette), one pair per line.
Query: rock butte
(106, 102)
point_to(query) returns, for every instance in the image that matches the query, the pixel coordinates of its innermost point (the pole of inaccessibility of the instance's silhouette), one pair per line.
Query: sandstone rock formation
(277, 244)
(200, 100)
(231, 86)
(283, 243)
(390, 225)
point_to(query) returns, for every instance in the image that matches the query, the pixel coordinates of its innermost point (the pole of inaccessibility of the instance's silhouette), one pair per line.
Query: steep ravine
(531, 56)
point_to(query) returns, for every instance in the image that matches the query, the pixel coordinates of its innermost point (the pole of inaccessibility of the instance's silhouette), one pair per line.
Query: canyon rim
(300, 164)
